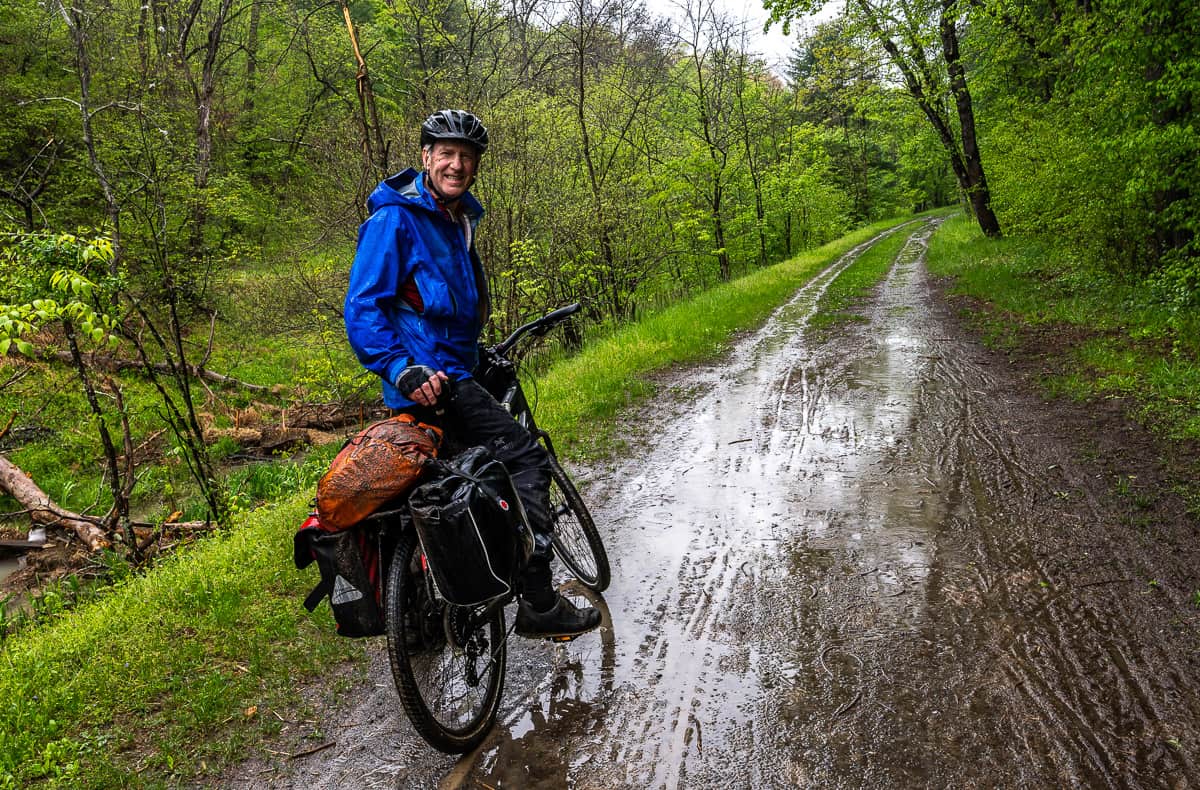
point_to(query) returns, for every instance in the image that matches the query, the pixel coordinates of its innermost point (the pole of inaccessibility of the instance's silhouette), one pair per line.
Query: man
(416, 305)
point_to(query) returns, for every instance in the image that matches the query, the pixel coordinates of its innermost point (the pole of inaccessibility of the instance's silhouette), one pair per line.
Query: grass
(139, 688)
(855, 282)
(1129, 345)
(174, 673)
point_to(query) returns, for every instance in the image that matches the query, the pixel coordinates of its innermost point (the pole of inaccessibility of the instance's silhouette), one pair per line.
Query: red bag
(377, 465)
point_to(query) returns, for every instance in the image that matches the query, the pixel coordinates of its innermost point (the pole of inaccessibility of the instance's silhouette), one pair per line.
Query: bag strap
(319, 592)
(447, 469)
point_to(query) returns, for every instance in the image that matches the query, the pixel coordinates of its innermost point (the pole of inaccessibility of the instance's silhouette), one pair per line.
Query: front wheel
(447, 663)
(576, 539)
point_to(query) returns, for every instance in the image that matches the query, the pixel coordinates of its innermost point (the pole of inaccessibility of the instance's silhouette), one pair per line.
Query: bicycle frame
(469, 642)
(497, 372)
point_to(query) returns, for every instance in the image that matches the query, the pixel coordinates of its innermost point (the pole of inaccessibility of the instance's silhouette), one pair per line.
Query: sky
(774, 47)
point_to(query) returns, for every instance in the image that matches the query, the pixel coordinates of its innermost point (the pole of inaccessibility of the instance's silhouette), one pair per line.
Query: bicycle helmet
(454, 125)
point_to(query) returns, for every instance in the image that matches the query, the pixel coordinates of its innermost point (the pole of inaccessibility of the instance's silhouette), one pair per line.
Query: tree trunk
(965, 161)
(723, 266)
(752, 163)
(977, 186)
(17, 484)
(252, 60)
(204, 143)
(116, 479)
(77, 25)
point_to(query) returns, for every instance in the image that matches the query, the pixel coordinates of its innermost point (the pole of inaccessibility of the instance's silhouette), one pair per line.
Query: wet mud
(862, 558)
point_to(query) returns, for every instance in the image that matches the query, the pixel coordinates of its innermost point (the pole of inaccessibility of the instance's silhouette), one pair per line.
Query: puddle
(831, 570)
(7, 566)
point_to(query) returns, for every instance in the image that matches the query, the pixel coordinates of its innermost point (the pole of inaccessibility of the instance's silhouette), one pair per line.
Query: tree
(922, 42)
(1091, 108)
(51, 268)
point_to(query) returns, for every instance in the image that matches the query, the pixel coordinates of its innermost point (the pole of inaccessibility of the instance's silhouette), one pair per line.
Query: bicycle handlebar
(537, 327)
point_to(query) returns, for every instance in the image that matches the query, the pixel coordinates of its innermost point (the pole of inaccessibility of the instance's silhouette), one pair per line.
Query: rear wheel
(576, 539)
(447, 664)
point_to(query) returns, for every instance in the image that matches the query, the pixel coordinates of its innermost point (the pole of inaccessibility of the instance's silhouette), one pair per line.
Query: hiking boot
(564, 621)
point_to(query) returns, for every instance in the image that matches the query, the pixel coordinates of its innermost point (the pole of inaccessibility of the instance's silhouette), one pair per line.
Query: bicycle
(448, 662)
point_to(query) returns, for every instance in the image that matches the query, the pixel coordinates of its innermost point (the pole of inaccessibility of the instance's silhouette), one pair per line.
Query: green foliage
(331, 374)
(1130, 347)
(1089, 119)
(263, 483)
(166, 658)
(27, 259)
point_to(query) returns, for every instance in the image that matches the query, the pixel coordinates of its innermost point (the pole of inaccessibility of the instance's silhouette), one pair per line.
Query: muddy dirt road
(865, 560)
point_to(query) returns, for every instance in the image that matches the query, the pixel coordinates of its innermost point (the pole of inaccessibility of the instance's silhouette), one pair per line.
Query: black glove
(412, 377)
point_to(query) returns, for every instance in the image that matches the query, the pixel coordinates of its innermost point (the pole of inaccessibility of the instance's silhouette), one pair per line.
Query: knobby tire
(432, 676)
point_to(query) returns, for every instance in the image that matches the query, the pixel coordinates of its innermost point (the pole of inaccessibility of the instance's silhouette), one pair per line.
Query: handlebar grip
(562, 312)
(537, 328)
(551, 320)
(446, 398)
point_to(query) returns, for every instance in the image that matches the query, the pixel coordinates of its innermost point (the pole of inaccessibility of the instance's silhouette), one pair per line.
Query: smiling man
(415, 308)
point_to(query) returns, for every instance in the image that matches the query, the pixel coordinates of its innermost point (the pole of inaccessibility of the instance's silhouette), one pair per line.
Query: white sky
(774, 47)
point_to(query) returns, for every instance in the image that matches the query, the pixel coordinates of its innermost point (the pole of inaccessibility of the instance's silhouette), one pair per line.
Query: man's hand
(422, 384)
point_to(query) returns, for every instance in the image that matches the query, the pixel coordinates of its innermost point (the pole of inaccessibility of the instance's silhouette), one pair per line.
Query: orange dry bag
(379, 464)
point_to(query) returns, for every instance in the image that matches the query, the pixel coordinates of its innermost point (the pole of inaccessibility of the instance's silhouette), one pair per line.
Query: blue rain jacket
(408, 237)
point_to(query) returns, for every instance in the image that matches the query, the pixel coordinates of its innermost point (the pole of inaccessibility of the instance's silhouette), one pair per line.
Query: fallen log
(43, 511)
(268, 440)
(114, 365)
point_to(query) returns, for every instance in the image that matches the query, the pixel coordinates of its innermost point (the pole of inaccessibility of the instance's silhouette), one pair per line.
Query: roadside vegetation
(172, 673)
(180, 186)
(1116, 337)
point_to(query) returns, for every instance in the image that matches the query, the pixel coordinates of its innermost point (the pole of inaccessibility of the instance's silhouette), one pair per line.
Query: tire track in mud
(842, 562)
(700, 517)
(1093, 698)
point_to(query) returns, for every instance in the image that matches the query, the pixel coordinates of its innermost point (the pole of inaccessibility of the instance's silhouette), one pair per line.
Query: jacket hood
(408, 189)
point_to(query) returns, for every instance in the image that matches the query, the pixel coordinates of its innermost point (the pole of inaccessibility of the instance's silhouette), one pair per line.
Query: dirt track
(866, 560)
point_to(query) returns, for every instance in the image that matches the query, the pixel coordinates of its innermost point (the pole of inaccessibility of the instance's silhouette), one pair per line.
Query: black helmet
(454, 125)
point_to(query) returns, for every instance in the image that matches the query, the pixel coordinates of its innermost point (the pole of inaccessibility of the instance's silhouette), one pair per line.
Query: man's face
(450, 166)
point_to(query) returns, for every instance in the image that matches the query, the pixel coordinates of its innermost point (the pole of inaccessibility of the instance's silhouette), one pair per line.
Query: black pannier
(350, 575)
(472, 528)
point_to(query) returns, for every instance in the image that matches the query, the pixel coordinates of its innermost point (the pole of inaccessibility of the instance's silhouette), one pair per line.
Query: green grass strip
(1126, 343)
(171, 675)
(855, 282)
(131, 689)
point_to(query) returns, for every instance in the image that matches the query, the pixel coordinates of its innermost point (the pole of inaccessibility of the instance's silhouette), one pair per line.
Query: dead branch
(116, 365)
(43, 511)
